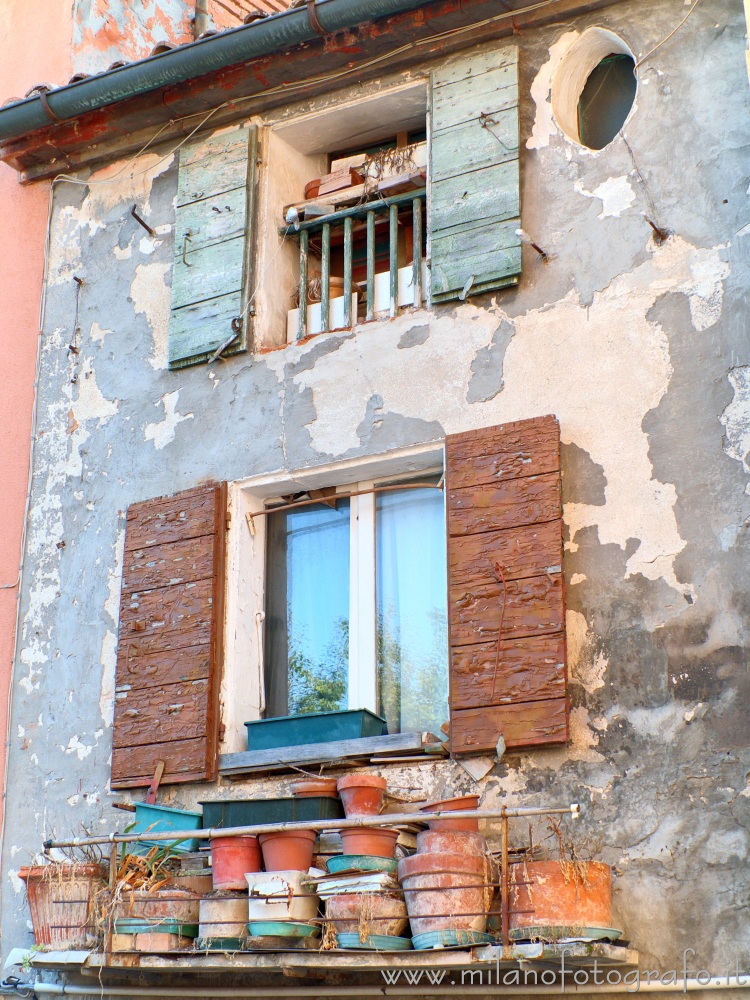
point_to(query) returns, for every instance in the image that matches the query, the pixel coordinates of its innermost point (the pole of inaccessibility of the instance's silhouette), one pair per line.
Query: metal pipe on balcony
(370, 266)
(325, 279)
(395, 819)
(393, 262)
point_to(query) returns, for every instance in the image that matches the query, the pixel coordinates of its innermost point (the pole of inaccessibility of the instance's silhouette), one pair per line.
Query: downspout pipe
(206, 55)
(202, 19)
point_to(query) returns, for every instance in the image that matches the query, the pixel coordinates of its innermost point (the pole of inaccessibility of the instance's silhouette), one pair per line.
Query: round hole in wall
(594, 88)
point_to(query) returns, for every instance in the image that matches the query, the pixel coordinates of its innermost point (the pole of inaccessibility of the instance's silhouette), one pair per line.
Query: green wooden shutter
(474, 171)
(212, 247)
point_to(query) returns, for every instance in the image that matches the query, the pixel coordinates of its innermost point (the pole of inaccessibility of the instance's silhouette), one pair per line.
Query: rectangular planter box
(159, 819)
(248, 812)
(315, 727)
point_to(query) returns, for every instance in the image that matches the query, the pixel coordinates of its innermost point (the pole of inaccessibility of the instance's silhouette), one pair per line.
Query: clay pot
(223, 917)
(362, 794)
(170, 905)
(451, 842)
(287, 850)
(315, 787)
(448, 805)
(379, 914)
(312, 188)
(444, 892)
(560, 894)
(376, 841)
(231, 859)
(62, 903)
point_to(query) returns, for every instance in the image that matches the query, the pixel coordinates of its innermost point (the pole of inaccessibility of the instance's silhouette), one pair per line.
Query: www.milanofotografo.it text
(567, 976)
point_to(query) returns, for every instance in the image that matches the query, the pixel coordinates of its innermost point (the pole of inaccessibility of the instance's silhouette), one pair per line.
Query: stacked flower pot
(447, 883)
(364, 907)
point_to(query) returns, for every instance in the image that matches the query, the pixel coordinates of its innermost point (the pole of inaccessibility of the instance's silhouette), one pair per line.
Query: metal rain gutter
(207, 55)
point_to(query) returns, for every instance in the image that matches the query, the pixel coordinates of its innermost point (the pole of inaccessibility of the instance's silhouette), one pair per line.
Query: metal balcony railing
(343, 221)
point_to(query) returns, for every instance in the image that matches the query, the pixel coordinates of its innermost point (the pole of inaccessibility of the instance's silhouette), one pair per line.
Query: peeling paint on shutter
(474, 176)
(169, 648)
(212, 247)
(506, 587)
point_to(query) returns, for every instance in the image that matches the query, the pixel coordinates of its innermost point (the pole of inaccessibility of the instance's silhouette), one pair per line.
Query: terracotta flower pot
(444, 892)
(231, 859)
(362, 794)
(164, 909)
(367, 911)
(452, 842)
(290, 850)
(376, 841)
(315, 788)
(448, 805)
(63, 903)
(560, 894)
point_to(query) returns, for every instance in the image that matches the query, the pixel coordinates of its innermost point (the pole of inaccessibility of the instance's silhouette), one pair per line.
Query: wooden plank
(165, 609)
(208, 272)
(510, 503)
(469, 70)
(526, 724)
(239, 763)
(227, 147)
(474, 144)
(155, 668)
(521, 448)
(530, 669)
(489, 268)
(529, 550)
(161, 714)
(182, 561)
(197, 331)
(187, 760)
(179, 517)
(458, 105)
(489, 195)
(213, 220)
(532, 607)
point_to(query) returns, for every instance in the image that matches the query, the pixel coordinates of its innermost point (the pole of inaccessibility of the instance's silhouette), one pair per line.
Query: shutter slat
(506, 589)
(474, 173)
(169, 648)
(511, 503)
(212, 247)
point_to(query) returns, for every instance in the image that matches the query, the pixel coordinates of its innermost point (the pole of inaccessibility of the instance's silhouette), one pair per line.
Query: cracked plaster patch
(163, 433)
(615, 194)
(736, 419)
(150, 296)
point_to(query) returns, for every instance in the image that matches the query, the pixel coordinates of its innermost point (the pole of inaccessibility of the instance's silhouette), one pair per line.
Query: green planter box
(249, 812)
(315, 727)
(160, 819)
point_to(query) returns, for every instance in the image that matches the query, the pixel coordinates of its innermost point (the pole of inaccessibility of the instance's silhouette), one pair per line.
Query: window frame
(242, 691)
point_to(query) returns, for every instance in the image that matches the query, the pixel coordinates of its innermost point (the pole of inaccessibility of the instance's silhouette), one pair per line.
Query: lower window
(356, 604)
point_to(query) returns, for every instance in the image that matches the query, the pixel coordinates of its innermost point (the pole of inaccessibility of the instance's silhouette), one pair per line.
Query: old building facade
(614, 300)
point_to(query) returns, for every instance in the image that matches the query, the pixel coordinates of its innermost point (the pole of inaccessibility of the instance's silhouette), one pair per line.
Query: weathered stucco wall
(641, 350)
(32, 51)
(108, 31)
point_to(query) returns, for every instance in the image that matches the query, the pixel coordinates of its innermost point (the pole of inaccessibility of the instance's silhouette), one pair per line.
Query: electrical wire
(667, 37)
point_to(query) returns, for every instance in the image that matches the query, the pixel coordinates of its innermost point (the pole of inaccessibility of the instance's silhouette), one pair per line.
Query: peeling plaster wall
(641, 350)
(108, 31)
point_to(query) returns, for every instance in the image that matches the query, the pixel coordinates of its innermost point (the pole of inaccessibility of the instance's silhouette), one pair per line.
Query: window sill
(396, 745)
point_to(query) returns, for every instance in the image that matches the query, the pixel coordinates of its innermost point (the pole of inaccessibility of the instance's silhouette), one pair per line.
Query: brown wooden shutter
(169, 651)
(506, 588)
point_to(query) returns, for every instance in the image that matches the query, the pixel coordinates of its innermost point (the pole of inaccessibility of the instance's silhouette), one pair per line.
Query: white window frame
(242, 684)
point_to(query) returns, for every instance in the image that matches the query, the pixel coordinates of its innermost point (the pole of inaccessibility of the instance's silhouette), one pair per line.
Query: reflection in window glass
(307, 609)
(412, 640)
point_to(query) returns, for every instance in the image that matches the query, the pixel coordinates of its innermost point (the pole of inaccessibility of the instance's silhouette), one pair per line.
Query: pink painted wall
(33, 49)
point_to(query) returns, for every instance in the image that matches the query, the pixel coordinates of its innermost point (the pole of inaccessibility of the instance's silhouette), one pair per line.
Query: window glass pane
(307, 610)
(411, 610)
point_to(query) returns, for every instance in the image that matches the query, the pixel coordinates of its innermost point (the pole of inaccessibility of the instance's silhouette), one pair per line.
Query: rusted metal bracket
(153, 788)
(142, 222)
(312, 16)
(49, 113)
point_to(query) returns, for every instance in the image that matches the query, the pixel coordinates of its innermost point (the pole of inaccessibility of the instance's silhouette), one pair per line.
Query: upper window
(356, 606)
